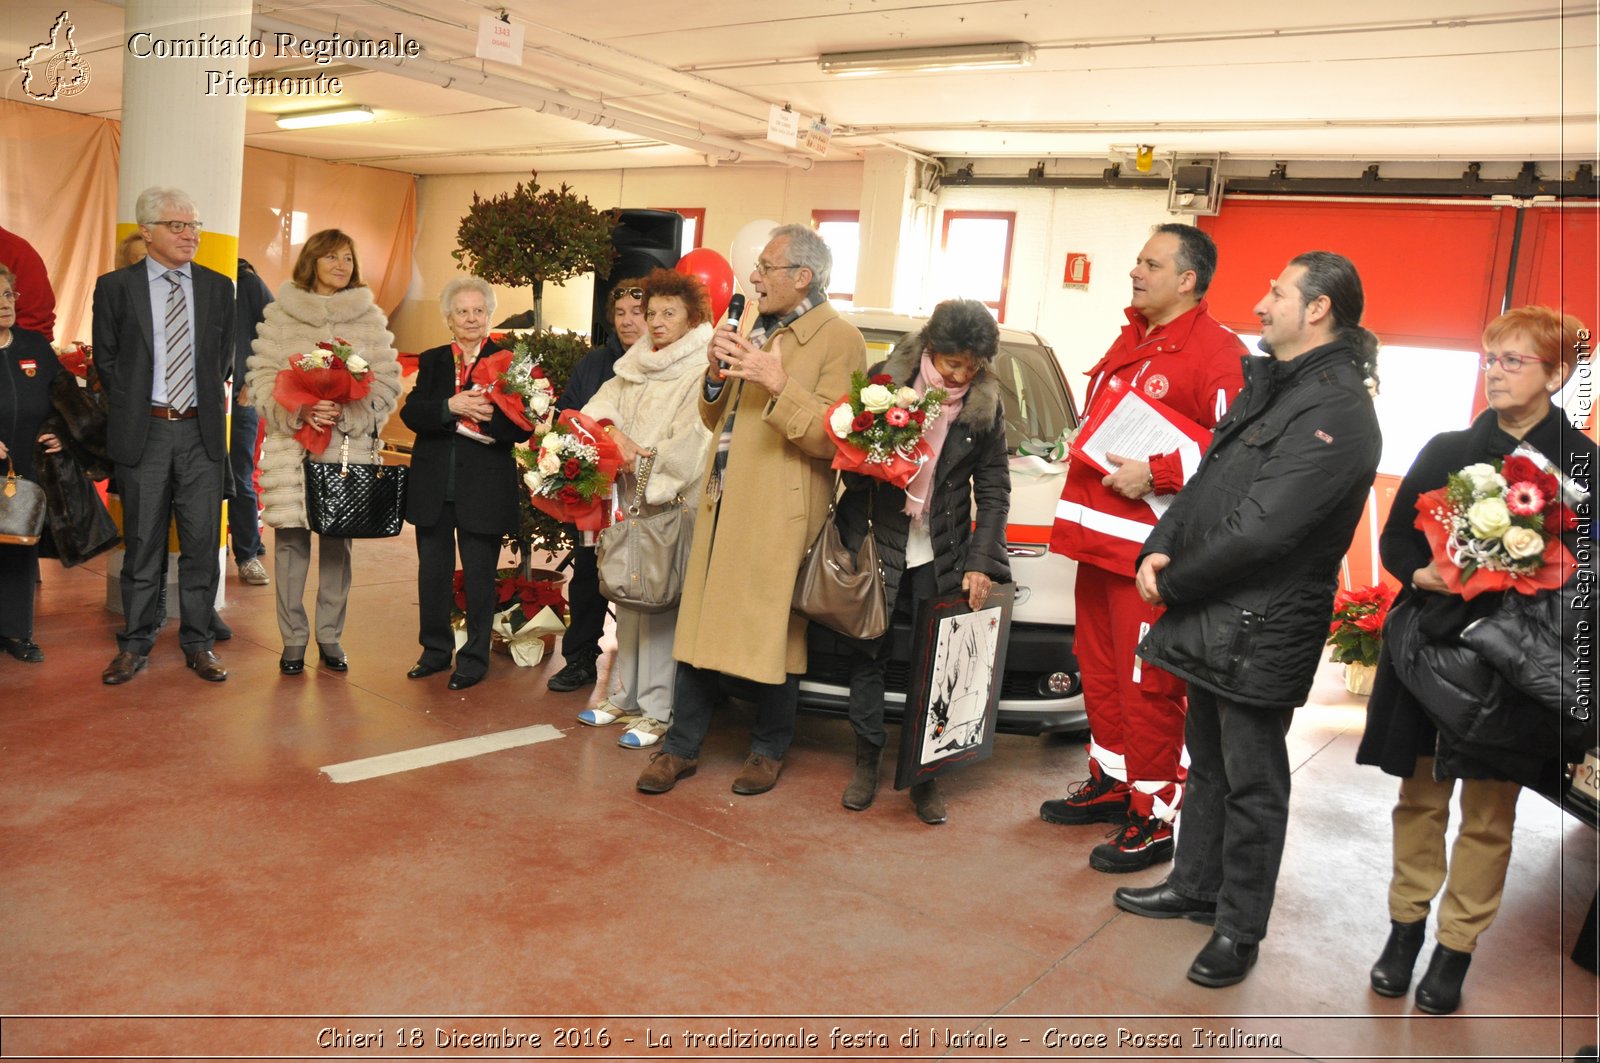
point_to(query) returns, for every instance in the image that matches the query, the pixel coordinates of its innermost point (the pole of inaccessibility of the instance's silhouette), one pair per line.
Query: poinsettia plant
(1356, 633)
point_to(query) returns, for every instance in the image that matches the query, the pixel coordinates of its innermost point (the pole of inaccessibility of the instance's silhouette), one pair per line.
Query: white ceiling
(659, 84)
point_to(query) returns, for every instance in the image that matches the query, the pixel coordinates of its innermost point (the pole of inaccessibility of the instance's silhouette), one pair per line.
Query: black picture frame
(957, 663)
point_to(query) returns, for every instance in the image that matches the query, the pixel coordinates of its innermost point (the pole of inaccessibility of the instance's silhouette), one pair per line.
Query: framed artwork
(957, 660)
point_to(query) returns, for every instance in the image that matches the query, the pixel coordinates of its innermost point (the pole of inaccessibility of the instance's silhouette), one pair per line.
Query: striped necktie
(180, 349)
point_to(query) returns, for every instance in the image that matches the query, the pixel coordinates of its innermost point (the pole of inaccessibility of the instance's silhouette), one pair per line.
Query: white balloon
(746, 249)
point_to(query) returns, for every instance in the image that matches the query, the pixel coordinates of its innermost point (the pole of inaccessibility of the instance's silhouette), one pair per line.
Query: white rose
(1522, 542)
(1489, 518)
(840, 420)
(551, 443)
(539, 402)
(356, 364)
(1483, 478)
(876, 398)
(549, 462)
(907, 398)
(533, 479)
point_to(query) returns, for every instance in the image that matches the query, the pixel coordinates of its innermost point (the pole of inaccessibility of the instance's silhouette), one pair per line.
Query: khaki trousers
(1475, 877)
(291, 560)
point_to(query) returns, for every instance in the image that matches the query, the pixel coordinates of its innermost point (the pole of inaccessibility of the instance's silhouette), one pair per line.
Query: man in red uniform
(1175, 352)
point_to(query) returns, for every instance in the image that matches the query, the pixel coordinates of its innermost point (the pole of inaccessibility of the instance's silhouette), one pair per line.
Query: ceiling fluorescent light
(330, 116)
(954, 57)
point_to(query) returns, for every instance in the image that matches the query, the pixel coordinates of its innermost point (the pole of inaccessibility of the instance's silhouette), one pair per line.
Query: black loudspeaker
(644, 240)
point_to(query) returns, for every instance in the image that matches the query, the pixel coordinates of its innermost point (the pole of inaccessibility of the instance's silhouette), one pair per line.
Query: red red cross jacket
(1191, 364)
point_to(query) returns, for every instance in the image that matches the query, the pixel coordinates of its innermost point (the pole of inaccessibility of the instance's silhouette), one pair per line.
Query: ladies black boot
(1439, 992)
(863, 785)
(1391, 975)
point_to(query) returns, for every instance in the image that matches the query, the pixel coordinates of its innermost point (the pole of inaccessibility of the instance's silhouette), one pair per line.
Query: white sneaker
(254, 573)
(604, 713)
(647, 732)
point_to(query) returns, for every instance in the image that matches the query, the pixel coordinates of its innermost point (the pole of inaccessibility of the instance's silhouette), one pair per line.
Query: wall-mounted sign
(1077, 272)
(500, 41)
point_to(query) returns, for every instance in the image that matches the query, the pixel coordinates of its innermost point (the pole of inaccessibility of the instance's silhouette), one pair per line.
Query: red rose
(918, 416)
(571, 468)
(883, 379)
(1558, 518)
(1519, 468)
(569, 494)
(324, 345)
(862, 422)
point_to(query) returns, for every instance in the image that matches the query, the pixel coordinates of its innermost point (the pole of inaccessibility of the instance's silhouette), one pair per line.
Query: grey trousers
(292, 560)
(644, 671)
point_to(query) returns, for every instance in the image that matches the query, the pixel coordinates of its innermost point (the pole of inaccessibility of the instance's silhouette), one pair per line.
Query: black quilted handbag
(355, 501)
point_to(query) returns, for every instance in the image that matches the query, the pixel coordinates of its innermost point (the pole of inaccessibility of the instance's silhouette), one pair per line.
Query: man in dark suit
(163, 344)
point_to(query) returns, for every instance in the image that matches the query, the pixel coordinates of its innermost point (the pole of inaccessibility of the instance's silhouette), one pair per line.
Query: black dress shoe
(462, 682)
(291, 667)
(220, 631)
(1223, 962)
(423, 671)
(1163, 902)
(123, 667)
(334, 662)
(1391, 975)
(1439, 992)
(207, 666)
(25, 650)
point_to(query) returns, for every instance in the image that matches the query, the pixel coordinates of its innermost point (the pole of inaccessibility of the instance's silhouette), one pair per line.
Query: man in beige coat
(767, 488)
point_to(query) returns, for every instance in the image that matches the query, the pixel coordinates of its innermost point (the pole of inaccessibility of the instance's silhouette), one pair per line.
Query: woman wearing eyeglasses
(1529, 353)
(325, 299)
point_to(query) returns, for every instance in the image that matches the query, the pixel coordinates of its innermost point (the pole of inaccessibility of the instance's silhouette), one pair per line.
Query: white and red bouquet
(1496, 527)
(570, 472)
(878, 428)
(516, 383)
(330, 371)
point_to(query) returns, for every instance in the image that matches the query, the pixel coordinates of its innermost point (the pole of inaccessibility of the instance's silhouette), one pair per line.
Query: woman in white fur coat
(651, 410)
(325, 299)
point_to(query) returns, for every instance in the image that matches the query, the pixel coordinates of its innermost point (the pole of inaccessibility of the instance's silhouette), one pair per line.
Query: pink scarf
(921, 484)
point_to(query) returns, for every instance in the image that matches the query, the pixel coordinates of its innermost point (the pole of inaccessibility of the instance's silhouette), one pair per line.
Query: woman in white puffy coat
(651, 410)
(326, 299)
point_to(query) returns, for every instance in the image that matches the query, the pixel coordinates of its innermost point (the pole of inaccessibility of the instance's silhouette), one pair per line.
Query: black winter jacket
(1256, 536)
(78, 527)
(972, 465)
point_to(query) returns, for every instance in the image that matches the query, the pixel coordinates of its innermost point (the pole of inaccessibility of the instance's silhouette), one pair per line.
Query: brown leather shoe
(928, 802)
(758, 775)
(664, 771)
(123, 667)
(208, 666)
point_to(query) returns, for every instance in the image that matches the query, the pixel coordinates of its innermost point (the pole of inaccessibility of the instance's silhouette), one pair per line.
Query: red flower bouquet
(569, 474)
(878, 428)
(335, 372)
(1497, 527)
(514, 382)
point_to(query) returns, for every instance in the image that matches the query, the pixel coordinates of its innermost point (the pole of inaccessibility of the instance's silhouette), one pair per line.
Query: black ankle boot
(863, 786)
(1439, 992)
(1391, 975)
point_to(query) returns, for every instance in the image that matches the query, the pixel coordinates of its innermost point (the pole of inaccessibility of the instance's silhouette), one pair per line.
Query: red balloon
(714, 272)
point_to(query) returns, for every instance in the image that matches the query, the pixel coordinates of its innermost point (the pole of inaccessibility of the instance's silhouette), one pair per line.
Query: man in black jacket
(1245, 562)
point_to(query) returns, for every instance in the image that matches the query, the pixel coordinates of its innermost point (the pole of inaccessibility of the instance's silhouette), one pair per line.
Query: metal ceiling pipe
(546, 101)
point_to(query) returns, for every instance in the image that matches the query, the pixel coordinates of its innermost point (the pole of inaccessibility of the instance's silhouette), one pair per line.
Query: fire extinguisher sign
(1077, 271)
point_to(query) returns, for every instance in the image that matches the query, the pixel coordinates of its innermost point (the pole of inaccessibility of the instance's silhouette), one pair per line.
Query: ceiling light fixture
(901, 60)
(329, 116)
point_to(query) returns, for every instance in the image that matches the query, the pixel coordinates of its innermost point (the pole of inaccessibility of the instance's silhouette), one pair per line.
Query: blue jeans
(695, 692)
(1235, 811)
(244, 509)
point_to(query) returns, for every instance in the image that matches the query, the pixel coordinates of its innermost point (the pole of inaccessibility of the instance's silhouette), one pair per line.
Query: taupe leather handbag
(21, 509)
(641, 560)
(840, 592)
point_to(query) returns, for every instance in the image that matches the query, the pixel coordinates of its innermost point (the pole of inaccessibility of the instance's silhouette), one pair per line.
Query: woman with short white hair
(463, 489)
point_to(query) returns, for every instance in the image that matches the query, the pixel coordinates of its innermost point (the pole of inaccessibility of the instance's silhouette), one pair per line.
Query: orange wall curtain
(59, 191)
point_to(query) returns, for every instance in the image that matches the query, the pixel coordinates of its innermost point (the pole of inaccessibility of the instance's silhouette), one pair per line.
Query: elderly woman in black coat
(463, 487)
(1529, 353)
(927, 542)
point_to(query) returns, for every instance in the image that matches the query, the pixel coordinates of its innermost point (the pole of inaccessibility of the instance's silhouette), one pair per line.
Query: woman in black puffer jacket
(1529, 353)
(932, 547)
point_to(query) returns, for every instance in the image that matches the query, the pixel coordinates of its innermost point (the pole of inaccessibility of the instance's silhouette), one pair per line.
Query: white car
(1040, 692)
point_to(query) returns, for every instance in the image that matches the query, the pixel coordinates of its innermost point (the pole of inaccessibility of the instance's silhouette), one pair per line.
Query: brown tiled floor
(171, 848)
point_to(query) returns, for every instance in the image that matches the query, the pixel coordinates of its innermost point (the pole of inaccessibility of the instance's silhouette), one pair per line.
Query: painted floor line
(442, 753)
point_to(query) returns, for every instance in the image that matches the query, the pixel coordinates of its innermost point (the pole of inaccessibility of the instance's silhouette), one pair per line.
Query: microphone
(736, 308)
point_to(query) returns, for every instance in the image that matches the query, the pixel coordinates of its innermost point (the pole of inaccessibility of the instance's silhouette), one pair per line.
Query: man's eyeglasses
(176, 228)
(8, 296)
(764, 269)
(1511, 363)
(627, 293)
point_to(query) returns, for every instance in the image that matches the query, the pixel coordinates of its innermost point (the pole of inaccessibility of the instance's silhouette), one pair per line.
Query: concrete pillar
(176, 134)
(895, 231)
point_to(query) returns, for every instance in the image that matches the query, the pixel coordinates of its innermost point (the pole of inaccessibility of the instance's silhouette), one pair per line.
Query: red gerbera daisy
(1524, 499)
